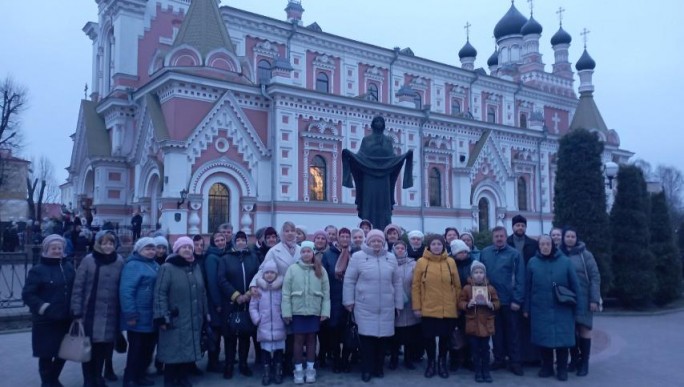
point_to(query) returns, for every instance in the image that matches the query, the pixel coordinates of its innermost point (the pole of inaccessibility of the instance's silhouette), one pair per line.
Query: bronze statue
(375, 169)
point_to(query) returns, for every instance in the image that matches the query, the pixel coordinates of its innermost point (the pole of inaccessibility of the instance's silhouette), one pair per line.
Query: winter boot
(213, 364)
(547, 363)
(268, 368)
(394, 361)
(562, 364)
(109, 371)
(574, 357)
(278, 367)
(479, 377)
(442, 369)
(430, 369)
(585, 349)
(486, 376)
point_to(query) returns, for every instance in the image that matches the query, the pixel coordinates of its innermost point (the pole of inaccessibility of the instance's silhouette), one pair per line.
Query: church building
(202, 114)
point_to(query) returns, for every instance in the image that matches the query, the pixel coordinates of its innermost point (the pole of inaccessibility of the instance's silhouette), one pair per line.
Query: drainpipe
(293, 31)
(274, 163)
(539, 178)
(421, 160)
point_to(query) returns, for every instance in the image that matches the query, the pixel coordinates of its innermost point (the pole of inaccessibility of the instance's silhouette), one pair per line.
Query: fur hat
(51, 239)
(241, 235)
(320, 233)
(375, 233)
(161, 241)
(307, 245)
(416, 234)
(518, 219)
(458, 246)
(142, 243)
(392, 226)
(269, 265)
(182, 241)
(478, 265)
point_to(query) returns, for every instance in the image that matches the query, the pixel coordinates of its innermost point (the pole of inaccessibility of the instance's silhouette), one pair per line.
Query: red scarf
(342, 262)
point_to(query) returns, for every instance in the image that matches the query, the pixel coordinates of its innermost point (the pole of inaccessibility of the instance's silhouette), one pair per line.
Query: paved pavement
(628, 351)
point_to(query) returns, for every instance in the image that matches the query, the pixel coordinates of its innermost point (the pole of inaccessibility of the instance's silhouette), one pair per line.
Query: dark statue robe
(375, 169)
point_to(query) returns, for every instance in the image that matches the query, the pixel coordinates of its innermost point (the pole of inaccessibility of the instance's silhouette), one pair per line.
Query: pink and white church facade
(202, 114)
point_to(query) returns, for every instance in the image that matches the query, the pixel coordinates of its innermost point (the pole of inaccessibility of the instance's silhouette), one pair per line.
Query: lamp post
(183, 196)
(610, 169)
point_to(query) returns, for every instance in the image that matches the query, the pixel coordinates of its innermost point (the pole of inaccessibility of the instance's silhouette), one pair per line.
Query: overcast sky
(636, 46)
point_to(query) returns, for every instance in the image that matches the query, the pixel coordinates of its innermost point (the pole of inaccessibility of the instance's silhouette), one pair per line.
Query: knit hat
(392, 226)
(458, 246)
(478, 265)
(143, 242)
(270, 231)
(269, 265)
(241, 235)
(161, 241)
(416, 234)
(320, 233)
(182, 241)
(518, 219)
(307, 245)
(375, 233)
(50, 239)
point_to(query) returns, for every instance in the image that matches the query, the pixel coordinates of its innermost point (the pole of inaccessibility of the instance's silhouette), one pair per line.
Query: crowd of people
(335, 298)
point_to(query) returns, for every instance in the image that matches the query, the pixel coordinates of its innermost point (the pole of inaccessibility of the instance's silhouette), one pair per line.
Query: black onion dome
(585, 62)
(468, 51)
(493, 59)
(561, 37)
(531, 27)
(510, 24)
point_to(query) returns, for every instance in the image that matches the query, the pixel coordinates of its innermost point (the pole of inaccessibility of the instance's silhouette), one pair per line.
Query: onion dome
(468, 51)
(493, 59)
(531, 27)
(561, 37)
(510, 24)
(585, 62)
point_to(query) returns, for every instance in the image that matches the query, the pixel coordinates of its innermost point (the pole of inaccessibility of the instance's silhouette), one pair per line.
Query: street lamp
(611, 170)
(183, 195)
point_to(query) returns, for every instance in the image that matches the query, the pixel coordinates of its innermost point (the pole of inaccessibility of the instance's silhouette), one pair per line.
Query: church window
(264, 71)
(491, 114)
(418, 100)
(322, 82)
(317, 179)
(522, 194)
(373, 92)
(219, 208)
(523, 120)
(455, 107)
(435, 188)
(483, 214)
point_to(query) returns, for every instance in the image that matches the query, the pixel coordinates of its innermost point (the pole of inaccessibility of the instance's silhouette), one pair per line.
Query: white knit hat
(458, 246)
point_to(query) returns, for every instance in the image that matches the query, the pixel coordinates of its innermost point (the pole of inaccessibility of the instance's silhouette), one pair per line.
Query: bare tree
(41, 185)
(12, 104)
(672, 182)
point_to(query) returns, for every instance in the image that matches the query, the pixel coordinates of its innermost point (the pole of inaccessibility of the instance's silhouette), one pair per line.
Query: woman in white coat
(373, 291)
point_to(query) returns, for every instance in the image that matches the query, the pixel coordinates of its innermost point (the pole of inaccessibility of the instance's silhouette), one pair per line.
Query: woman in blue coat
(553, 323)
(47, 293)
(136, 296)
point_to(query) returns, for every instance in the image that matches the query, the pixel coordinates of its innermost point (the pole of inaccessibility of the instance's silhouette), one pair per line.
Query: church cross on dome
(531, 6)
(560, 15)
(467, 28)
(584, 34)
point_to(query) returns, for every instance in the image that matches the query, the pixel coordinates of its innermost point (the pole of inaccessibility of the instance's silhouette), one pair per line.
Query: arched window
(264, 71)
(522, 194)
(322, 83)
(455, 107)
(483, 214)
(373, 92)
(219, 206)
(491, 114)
(317, 179)
(418, 100)
(435, 188)
(523, 120)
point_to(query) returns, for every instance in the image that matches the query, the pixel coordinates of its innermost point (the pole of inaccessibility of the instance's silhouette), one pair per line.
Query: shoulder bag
(564, 295)
(76, 345)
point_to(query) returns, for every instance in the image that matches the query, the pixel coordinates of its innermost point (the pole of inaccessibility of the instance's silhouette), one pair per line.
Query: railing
(14, 268)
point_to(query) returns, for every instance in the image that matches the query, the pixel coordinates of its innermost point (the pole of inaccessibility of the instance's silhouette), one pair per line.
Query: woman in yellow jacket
(434, 295)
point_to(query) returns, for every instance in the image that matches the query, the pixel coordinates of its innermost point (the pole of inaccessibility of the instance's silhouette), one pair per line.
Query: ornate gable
(226, 115)
(487, 157)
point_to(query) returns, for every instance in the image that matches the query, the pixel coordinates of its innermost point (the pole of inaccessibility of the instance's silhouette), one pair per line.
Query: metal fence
(14, 268)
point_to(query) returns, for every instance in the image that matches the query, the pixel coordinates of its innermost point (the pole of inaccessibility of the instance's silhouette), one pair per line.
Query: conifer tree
(580, 196)
(633, 262)
(668, 267)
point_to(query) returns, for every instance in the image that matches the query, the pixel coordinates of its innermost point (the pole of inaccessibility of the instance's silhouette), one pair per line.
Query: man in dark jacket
(136, 225)
(527, 247)
(506, 269)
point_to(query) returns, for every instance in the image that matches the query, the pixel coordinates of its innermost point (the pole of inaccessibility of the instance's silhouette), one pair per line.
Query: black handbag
(351, 334)
(564, 295)
(207, 340)
(240, 323)
(457, 340)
